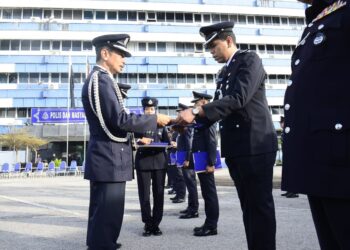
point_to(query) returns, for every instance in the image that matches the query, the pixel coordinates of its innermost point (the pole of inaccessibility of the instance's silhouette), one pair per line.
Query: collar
(229, 60)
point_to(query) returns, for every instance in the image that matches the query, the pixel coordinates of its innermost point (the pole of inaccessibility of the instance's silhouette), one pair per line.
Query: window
(34, 78)
(44, 77)
(142, 78)
(210, 78)
(160, 16)
(270, 49)
(162, 79)
(142, 47)
(64, 77)
(23, 77)
(189, 47)
(216, 17)
(151, 46)
(278, 49)
(200, 78)
(180, 47)
(5, 45)
(111, 15)
(55, 77)
(197, 18)
(123, 78)
(17, 13)
(21, 112)
(300, 21)
(132, 78)
(123, 15)
(243, 46)
(11, 112)
(199, 47)
(276, 20)
(76, 45)
(261, 48)
(47, 14)
(161, 47)
(88, 15)
(234, 18)
(281, 79)
(27, 13)
(100, 15)
(57, 14)
(224, 18)
(142, 16)
(3, 78)
(152, 78)
(181, 78)
(267, 20)
(2, 113)
(67, 14)
(242, 19)
(14, 44)
(188, 18)
(66, 45)
(45, 45)
(13, 78)
(179, 17)
(77, 15)
(87, 46)
(259, 20)
(250, 19)
(191, 78)
(38, 13)
(132, 15)
(284, 20)
(172, 78)
(206, 18)
(292, 21)
(252, 47)
(7, 13)
(275, 110)
(56, 45)
(170, 17)
(35, 45)
(286, 49)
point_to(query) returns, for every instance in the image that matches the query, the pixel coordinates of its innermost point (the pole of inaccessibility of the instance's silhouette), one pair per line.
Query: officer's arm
(165, 136)
(211, 145)
(188, 141)
(113, 114)
(242, 87)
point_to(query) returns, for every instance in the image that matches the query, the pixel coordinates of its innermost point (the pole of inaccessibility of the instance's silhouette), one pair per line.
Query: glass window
(300, 21)
(132, 78)
(181, 78)
(188, 17)
(180, 47)
(270, 49)
(100, 15)
(38, 13)
(273, 79)
(191, 78)
(142, 16)
(210, 78)
(242, 19)
(76, 45)
(152, 78)
(142, 78)
(123, 15)
(170, 17)
(162, 79)
(292, 21)
(197, 18)
(77, 78)
(206, 18)
(224, 17)
(77, 14)
(5, 45)
(259, 20)
(88, 14)
(284, 20)
(11, 112)
(179, 17)
(200, 78)
(172, 78)
(132, 15)
(216, 17)
(44, 77)
(13, 78)
(111, 15)
(35, 45)
(261, 48)
(250, 19)
(275, 110)
(243, 46)
(281, 79)
(267, 20)
(160, 17)
(27, 13)
(66, 45)
(252, 47)
(68, 14)
(234, 18)
(3, 78)
(57, 14)
(87, 46)
(151, 16)
(7, 13)
(161, 47)
(278, 49)
(55, 77)
(56, 45)
(199, 47)
(14, 44)
(25, 45)
(275, 20)
(17, 13)
(286, 49)
(33, 77)
(123, 78)
(23, 77)
(151, 46)
(45, 45)
(21, 112)
(47, 13)
(64, 77)
(142, 46)
(189, 47)
(2, 112)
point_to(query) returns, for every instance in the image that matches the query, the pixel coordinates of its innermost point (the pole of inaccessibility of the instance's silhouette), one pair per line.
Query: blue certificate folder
(200, 160)
(154, 145)
(173, 158)
(180, 158)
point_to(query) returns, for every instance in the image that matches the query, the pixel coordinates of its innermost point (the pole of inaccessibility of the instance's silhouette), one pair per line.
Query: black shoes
(172, 191)
(204, 231)
(290, 195)
(156, 231)
(147, 231)
(185, 211)
(119, 245)
(189, 215)
(178, 200)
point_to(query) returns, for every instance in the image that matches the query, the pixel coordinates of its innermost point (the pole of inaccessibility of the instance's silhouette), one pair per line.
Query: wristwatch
(195, 111)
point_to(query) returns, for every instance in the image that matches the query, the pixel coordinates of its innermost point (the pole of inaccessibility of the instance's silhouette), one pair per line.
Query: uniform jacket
(316, 146)
(204, 140)
(106, 160)
(184, 142)
(153, 158)
(246, 126)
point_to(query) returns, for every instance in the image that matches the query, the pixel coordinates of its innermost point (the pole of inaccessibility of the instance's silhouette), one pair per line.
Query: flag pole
(68, 111)
(87, 69)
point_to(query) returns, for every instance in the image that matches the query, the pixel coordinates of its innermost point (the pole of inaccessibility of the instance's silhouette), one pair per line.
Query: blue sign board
(61, 115)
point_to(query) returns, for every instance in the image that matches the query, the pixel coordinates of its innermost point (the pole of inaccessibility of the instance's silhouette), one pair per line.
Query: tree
(17, 139)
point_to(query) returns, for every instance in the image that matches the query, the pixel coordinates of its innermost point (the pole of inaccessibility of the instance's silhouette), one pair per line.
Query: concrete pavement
(51, 213)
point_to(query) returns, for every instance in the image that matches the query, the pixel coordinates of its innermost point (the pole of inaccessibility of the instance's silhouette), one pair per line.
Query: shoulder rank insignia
(331, 8)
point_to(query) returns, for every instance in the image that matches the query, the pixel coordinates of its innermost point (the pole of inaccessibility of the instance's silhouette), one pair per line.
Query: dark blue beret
(149, 102)
(212, 31)
(198, 96)
(118, 42)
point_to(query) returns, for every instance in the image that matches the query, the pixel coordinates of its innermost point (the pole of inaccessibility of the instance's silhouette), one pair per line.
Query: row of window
(129, 78)
(37, 45)
(26, 112)
(148, 16)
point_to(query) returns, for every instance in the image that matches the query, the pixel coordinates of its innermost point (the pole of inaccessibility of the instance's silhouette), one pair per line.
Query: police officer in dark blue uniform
(150, 164)
(204, 140)
(316, 146)
(248, 137)
(109, 157)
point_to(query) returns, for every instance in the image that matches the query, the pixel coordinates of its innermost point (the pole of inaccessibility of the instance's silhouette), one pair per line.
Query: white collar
(229, 60)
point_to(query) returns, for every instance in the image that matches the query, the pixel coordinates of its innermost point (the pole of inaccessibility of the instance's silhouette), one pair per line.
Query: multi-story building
(40, 38)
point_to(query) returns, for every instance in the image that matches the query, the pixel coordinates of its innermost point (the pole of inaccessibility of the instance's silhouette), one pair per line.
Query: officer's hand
(210, 169)
(145, 141)
(185, 117)
(186, 164)
(163, 120)
(173, 144)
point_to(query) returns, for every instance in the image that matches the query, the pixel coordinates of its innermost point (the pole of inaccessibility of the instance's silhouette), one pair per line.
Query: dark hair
(224, 35)
(98, 52)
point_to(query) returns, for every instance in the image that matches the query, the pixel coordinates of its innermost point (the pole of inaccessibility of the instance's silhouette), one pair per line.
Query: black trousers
(144, 179)
(171, 173)
(180, 185)
(191, 184)
(106, 212)
(252, 176)
(210, 196)
(332, 221)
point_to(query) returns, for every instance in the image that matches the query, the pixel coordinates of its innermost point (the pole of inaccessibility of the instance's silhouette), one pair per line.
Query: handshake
(184, 117)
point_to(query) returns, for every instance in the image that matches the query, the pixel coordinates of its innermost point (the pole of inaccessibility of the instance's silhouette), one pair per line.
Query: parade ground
(51, 213)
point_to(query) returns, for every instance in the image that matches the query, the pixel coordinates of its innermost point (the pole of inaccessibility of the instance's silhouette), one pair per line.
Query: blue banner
(61, 115)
